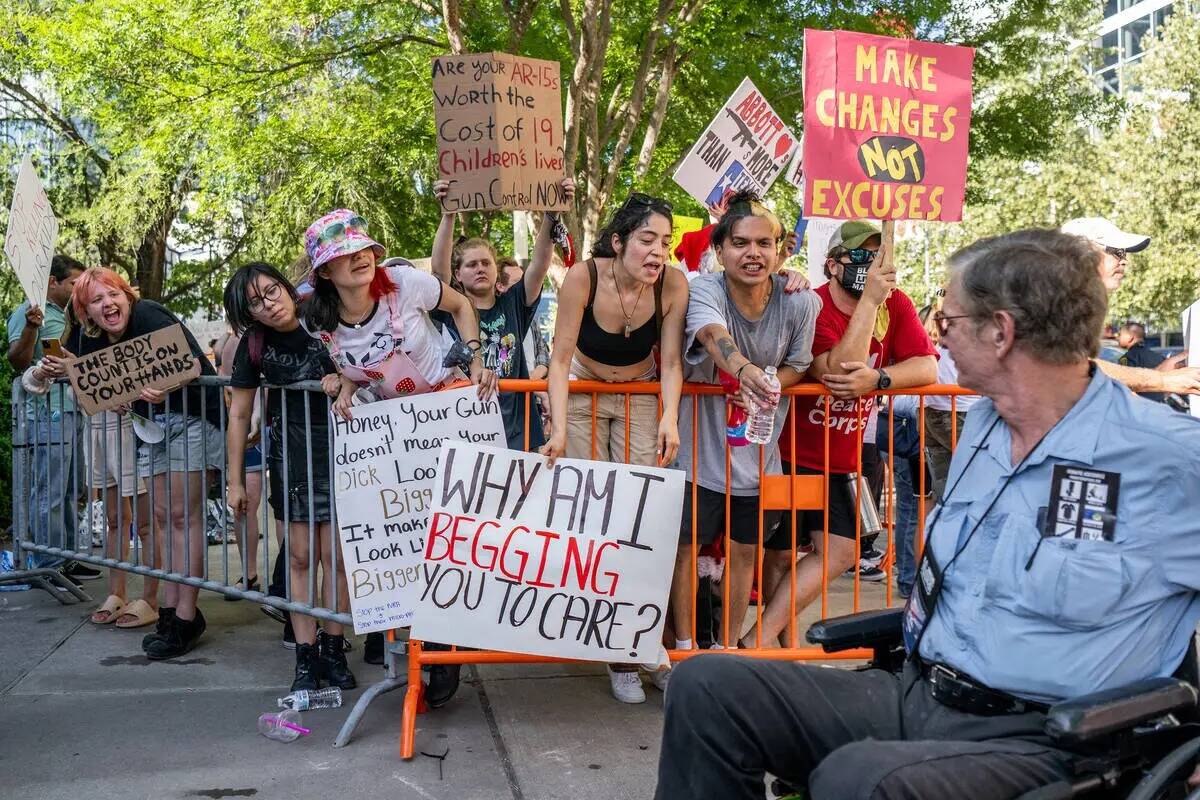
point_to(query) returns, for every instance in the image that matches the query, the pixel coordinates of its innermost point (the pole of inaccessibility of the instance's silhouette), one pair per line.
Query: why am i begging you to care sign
(570, 561)
(385, 460)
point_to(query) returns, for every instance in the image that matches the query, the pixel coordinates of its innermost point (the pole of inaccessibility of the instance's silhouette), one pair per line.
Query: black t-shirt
(502, 330)
(287, 357)
(1141, 356)
(147, 316)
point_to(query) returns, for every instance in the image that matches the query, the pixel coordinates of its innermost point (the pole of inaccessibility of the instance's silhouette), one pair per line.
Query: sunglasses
(943, 321)
(337, 231)
(1119, 252)
(640, 199)
(860, 255)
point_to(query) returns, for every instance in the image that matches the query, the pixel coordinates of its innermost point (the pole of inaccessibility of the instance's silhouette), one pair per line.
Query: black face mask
(854, 278)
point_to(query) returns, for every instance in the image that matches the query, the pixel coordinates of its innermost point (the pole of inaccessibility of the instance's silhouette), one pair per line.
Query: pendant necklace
(621, 300)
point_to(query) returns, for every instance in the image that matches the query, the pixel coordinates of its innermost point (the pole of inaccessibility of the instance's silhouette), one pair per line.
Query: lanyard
(927, 554)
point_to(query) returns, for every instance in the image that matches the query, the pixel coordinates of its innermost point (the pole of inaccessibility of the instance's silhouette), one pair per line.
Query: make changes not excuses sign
(885, 127)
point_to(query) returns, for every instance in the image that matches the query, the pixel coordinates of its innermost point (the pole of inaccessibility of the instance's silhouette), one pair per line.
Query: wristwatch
(885, 381)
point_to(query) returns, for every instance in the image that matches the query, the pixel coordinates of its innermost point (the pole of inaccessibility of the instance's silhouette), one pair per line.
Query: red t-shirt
(693, 245)
(905, 339)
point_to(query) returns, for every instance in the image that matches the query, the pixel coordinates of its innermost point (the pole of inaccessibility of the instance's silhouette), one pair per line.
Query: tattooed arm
(725, 354)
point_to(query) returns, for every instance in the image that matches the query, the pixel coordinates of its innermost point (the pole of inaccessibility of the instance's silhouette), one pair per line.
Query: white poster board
(570, 562)
(1191, 339)
(384, 464)
(746, 146)
(32, 234)
(818, 233)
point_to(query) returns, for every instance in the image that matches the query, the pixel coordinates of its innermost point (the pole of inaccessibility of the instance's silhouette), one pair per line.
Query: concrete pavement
(84, 714)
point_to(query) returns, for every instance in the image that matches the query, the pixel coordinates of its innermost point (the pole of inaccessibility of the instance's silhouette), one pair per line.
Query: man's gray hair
(1047, 280)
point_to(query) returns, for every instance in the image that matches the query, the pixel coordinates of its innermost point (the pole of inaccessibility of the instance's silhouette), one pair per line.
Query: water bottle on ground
(305, 700)
(282, 726)
(760, 428)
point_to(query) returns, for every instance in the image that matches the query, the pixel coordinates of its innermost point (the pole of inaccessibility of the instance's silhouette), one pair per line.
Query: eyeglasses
(943, 321)
(1119, 252)
(860, 255)
(336, 231)
(259, 301)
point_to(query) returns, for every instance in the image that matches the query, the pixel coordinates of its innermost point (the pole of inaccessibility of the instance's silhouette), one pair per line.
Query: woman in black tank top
(616, 312)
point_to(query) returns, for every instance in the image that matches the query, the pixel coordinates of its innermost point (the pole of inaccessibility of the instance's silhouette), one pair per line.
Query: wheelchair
(1135, 742)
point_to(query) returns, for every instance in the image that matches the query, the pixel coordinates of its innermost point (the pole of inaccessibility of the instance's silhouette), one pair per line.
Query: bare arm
(240, 410)
(1185, 380)
(571, 300)
(443, 246)
(725, 354)
(20, 352)
(671, 358)
(916, 371)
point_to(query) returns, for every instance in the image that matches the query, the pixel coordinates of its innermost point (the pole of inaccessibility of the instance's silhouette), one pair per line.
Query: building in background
(1129, 28)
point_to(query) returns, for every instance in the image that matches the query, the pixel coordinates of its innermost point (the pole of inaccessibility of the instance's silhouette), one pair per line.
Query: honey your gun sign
(571, 561)
(384, 462)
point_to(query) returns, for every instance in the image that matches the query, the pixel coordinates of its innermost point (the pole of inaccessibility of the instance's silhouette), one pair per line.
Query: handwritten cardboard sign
(886, 123)
(499, 132)
(112, 377)
(573, 561)
(746, 146)
(384, 464)
(32, 233)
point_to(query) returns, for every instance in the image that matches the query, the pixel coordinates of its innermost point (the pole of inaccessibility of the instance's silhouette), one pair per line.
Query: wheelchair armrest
(877, 629)
(1112, 710)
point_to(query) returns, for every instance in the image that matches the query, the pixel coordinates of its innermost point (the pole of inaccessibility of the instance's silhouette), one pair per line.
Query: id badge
(922, 600)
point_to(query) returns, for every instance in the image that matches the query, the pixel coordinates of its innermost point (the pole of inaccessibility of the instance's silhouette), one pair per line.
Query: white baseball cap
(1106, 234)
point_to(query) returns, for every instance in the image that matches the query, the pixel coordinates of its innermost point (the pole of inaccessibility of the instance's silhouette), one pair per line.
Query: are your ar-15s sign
(384, 462)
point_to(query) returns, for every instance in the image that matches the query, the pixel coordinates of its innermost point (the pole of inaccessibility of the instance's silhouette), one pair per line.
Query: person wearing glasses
(621, 319)
(374, 320)
(1114, 246)
(868, 338)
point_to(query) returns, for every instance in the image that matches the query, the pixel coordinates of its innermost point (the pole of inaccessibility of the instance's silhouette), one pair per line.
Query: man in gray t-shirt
(739, 321)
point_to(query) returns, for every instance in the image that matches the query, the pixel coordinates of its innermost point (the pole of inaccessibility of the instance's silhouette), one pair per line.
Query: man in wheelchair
(1056, 596)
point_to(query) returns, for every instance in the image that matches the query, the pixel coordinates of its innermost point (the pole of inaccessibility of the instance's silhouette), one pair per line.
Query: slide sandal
(112, 607)
(141, 611)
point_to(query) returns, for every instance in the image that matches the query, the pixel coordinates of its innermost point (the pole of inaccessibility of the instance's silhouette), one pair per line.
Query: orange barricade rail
(778, 493)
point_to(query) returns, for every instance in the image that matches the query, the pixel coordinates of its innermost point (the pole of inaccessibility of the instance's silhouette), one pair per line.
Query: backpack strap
(254, 346)
(591, 265)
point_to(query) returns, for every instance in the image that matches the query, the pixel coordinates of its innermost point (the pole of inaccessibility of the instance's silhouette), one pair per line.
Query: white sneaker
(627, 686)
(660, 678)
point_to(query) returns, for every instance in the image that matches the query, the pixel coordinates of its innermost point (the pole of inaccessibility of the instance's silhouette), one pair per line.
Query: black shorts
(299, 459)
(842, 509)
(743, 520)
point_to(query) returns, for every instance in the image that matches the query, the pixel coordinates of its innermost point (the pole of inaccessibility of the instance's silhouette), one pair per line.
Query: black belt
(958, 691)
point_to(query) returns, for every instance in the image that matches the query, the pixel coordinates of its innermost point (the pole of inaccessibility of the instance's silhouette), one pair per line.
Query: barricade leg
(414, 701)
(394, 680)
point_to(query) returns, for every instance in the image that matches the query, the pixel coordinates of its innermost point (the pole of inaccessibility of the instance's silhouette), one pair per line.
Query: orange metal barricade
(792, 492)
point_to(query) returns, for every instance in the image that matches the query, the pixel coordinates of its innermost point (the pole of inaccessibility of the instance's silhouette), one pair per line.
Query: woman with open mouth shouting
(190, 416)
(621, 319)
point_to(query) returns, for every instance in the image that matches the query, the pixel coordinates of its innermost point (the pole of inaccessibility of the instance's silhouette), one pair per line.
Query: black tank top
(614, 349)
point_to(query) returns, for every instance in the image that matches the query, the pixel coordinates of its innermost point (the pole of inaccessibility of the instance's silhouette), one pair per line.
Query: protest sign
(32, 233)
(819, 232)
(746, 146)
(384, 462)
(885, 127)
(110, 378)
(499, 132)
(573, 561)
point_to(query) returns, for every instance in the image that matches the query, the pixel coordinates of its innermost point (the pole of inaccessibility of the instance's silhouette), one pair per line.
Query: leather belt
(958, 691)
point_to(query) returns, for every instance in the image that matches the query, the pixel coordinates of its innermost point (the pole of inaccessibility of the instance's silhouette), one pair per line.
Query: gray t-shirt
(783, 336)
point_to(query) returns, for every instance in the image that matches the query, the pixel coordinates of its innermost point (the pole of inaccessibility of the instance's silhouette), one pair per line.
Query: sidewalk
(84, 714)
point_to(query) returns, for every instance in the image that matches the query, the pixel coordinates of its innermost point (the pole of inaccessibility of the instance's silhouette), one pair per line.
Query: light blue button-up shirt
(1086, 615)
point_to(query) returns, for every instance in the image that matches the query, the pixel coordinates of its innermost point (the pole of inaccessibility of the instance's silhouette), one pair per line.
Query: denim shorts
(192, 444)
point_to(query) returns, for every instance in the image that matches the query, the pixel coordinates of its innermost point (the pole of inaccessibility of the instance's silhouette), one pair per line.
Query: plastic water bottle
(283, 726)
(761, 425)
(304, 700)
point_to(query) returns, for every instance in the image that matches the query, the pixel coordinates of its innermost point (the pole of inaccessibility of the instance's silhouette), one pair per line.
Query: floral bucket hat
(338, 233)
